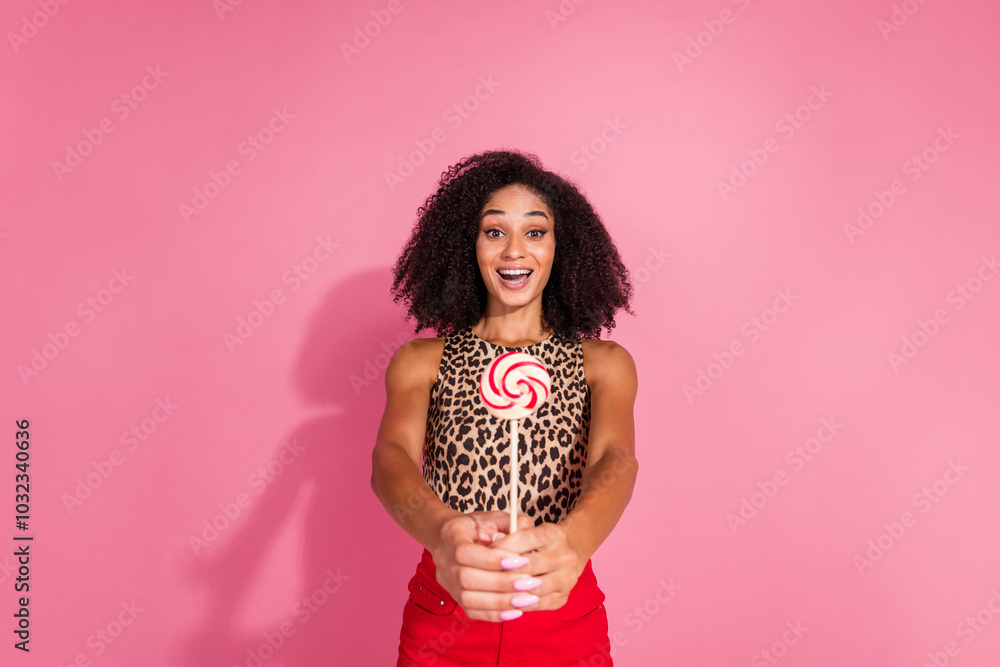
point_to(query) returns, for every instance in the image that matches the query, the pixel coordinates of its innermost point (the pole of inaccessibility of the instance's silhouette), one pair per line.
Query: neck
(510, 330)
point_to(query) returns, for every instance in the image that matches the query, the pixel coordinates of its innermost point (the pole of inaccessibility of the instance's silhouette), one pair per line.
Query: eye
(489, 233)
(540, 232)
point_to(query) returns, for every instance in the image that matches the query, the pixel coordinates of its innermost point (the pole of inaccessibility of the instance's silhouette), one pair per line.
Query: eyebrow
(494, 211)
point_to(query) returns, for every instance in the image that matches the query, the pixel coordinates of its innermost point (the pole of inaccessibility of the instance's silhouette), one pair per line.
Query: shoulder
(607, 362)
(415, 362)
(606, 353)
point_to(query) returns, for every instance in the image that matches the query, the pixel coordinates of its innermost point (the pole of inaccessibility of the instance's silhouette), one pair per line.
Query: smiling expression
(515, 246)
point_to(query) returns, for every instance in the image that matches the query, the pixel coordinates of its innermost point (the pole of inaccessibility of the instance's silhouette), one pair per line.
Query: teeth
(515, 272)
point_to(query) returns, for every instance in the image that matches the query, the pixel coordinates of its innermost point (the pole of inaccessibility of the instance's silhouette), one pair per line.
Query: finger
(494, 616)
(481, 600)
(484, 533)
(526, 540)
(501, 520)
(473, 579)
(487, 523)
(498, 602)
(488, 557)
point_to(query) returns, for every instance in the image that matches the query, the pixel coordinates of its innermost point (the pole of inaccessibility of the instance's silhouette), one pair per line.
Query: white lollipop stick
(513, 476)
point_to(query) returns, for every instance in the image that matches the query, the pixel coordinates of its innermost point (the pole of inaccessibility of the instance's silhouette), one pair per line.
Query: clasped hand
(491, 573)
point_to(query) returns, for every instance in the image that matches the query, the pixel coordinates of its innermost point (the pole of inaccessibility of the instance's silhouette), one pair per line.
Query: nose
(514, 247)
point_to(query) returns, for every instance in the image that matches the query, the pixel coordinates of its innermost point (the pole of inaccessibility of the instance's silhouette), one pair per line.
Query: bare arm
(612, 467)
(396, 477)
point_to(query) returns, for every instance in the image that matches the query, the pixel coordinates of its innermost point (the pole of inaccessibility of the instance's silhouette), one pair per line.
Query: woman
(506, 255)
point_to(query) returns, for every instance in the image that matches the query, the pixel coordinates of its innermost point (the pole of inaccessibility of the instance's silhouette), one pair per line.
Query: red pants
(436, 630)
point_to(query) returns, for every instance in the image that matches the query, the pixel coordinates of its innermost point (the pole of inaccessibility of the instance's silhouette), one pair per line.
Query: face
(516, 233)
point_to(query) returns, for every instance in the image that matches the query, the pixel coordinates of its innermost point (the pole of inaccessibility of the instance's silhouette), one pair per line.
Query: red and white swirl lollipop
(514, 385)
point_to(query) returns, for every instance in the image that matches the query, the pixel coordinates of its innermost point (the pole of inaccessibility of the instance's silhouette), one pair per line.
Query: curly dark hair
(437, 274)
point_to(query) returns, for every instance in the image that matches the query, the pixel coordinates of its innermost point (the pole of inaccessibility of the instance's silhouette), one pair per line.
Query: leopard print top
(466, 457)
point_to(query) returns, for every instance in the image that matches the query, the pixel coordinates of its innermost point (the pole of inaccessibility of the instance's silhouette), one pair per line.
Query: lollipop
(514, 385)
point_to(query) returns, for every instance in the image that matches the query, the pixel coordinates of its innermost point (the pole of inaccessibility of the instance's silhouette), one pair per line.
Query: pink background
(602, 93)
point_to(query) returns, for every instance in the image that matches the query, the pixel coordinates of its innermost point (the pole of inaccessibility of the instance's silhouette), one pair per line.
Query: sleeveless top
(466, 455)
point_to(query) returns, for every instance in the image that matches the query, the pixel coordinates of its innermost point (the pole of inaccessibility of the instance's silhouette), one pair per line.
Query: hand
(552, 558)
(469, 566)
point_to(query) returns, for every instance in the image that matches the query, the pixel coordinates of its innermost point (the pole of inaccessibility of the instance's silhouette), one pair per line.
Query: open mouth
(514, 276)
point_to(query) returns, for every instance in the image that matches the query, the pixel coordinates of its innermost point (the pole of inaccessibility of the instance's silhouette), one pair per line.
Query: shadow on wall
(355, 559)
